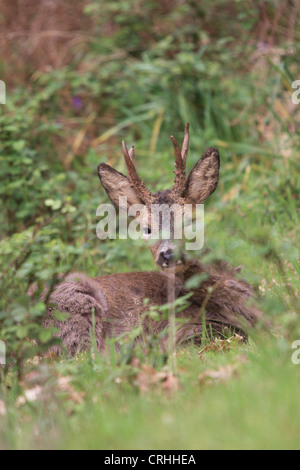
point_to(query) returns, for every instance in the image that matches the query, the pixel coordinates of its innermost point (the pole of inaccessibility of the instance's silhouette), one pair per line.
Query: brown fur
(118, 303)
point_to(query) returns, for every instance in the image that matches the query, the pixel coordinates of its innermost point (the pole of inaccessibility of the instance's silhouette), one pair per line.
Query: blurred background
(81, 76)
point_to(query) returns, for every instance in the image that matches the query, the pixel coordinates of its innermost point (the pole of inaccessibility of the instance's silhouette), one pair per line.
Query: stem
(172, 324)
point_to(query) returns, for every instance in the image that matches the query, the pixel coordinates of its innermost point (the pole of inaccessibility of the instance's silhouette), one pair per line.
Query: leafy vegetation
(142, 70)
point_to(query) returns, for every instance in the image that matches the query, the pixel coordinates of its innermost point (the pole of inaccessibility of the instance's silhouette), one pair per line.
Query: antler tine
(180, 161)
(131, 154)
(129, 158)
(134, 178)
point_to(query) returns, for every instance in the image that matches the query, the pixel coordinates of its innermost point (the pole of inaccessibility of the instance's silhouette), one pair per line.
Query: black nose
(165, 257)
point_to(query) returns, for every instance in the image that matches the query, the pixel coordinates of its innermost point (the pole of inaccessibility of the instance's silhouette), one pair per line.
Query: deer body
(118, 300)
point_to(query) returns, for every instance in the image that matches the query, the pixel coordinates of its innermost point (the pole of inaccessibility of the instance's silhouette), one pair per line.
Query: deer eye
(147, 231)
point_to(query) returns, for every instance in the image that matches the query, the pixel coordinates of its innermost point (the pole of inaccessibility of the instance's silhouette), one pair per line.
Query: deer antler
(135, 180)
(180, 162)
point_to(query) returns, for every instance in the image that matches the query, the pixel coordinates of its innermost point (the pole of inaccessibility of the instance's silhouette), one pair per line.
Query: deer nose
(165, 257)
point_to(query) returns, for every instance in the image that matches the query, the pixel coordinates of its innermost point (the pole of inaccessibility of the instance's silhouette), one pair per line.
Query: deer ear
(117, 185)
(203, 179)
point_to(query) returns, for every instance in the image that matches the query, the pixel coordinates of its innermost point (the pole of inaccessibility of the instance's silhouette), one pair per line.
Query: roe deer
(117, 300)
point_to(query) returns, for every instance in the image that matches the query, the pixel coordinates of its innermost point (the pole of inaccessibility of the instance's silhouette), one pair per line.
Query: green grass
(257, 408)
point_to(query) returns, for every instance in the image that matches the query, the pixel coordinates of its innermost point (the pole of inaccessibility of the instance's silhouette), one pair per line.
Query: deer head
(195, 189)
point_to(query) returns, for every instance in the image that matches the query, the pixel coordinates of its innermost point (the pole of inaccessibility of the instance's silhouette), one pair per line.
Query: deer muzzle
(166, 256)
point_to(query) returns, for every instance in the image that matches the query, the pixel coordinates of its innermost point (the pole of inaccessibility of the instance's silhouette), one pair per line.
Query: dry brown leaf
(34, 377)
(36, 386)
(135, 362)
(30, 395)
(148, 379)
(171, 384)
(2, 408)
(222, 344)
(64, 384)
(223, 374)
